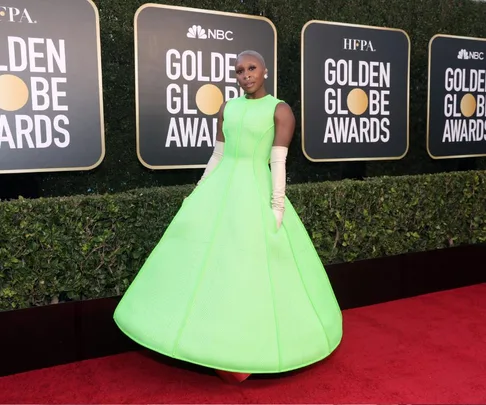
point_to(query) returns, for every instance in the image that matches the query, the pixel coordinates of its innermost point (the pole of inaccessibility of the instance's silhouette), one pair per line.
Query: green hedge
(422, 19)
(85, 247)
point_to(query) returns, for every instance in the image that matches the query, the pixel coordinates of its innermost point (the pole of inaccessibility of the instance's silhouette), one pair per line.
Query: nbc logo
(198, 32)
(462, 54)
(465, 55)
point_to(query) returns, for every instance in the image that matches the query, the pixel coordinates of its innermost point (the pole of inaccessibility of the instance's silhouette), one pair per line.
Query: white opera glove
(278, 160)
(214, 160)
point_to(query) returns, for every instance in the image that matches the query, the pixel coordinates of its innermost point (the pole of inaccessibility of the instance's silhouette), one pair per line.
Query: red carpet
(428, 349)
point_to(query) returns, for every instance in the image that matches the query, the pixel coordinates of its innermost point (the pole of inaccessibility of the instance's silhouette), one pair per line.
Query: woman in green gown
(235, 283)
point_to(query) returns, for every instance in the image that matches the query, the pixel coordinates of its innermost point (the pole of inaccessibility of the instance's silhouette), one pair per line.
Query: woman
(235, 283)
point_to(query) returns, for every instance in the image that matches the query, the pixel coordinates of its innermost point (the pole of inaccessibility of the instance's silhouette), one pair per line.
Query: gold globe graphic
(209, 99)
(14, 93)
(357, 101)
(468, 105)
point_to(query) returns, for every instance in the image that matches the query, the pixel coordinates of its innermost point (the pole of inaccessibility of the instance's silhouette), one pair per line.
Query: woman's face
(250, 73)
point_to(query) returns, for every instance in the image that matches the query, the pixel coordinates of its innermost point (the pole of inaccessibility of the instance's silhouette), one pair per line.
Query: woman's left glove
(278, 159)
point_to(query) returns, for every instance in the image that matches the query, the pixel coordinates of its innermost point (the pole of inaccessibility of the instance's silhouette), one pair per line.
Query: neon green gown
(224, 288)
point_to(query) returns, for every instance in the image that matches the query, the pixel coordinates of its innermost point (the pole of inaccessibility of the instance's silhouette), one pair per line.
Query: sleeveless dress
(224, 288)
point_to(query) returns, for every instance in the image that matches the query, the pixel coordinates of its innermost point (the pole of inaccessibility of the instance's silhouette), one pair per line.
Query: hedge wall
(422, 19)
(84, 247)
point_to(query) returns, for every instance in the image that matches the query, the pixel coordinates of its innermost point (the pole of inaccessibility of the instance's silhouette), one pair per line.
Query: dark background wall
(121, 170)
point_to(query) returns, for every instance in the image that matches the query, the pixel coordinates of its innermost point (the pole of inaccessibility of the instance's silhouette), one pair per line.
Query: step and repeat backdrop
(354, 92)
(184, 71)
(51, 102)
(457, 97)
(355, 83)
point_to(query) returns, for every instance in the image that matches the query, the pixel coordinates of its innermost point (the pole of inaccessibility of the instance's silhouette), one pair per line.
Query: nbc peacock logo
(197, 32)
(462, 54)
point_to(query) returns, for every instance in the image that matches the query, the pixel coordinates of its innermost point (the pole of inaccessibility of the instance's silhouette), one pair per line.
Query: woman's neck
(260, 93)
